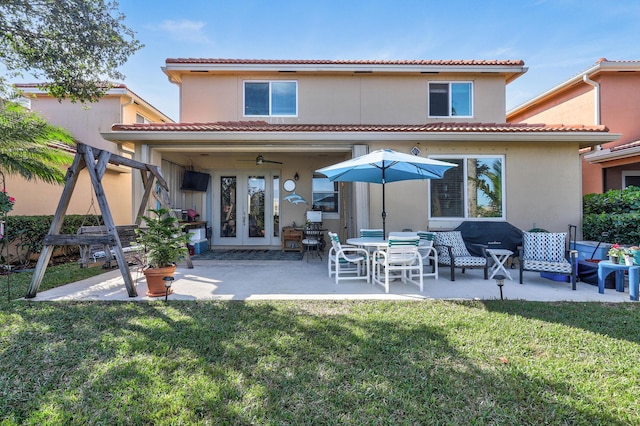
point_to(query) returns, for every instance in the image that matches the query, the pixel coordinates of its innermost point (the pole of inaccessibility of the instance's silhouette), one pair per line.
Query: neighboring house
(607, 93)
(85, 122)
(260, 128)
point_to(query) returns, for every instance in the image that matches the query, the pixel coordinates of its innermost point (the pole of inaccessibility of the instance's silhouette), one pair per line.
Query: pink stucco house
(607, 93)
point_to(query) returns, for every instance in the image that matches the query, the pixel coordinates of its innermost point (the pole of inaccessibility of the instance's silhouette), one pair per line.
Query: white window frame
(450, 114)
(141, 119)
(270, 82)
(465, 200)
(628, 173)
(326, 215)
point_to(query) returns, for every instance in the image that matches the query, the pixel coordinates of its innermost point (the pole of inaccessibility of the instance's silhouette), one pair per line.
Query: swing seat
(98, 252)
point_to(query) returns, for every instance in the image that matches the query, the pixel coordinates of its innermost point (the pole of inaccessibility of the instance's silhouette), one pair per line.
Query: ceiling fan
(260, 160)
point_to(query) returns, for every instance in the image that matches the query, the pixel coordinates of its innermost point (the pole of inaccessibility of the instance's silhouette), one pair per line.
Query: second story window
(271, 98)
(142, 119)
(451, 99)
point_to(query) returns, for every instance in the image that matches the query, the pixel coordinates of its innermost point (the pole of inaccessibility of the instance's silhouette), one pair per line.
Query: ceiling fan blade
(260, 160)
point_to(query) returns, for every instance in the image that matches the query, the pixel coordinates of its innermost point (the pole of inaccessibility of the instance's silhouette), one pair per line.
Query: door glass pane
(256, 186)
(228, 206)
(276, 206)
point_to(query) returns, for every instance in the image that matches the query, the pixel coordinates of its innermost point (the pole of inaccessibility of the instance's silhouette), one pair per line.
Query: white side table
(500, 257)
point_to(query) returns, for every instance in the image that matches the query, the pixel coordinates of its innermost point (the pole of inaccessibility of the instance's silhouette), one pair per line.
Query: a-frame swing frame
(96, 160)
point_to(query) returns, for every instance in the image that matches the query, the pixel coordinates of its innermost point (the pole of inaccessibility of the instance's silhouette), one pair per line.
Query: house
(260, 128)
(607, 93)
(85, 122)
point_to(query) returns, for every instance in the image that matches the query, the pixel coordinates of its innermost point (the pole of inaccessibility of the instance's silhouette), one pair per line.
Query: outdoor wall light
(296, 177)
(500, 283)
(167, 285)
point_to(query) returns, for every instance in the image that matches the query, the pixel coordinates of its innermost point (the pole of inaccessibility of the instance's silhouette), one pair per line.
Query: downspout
(596, 87)
(123, 107)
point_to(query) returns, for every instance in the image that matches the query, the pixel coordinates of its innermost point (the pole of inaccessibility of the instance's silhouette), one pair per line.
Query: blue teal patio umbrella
(384, 166)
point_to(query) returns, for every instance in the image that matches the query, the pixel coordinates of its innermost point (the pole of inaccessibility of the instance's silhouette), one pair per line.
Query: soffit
(260, 132)
(175, 67)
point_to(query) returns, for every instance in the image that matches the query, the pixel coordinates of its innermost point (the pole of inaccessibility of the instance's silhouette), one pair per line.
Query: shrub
(24, 235)
(616, 212)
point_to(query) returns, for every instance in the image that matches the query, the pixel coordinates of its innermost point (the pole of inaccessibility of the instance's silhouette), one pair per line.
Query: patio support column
(360, 196)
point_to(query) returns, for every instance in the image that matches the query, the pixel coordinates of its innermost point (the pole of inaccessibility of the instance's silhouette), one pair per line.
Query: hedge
(24, 234)
(616, 212)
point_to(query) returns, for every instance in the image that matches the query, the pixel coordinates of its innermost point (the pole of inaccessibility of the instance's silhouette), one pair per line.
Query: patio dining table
(373, 243)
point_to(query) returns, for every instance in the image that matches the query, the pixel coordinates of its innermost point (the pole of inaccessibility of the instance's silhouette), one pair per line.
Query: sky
(557, 39)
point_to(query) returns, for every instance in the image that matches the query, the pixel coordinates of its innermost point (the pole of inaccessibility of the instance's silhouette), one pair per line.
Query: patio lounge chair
(547, 252)
(453, 252)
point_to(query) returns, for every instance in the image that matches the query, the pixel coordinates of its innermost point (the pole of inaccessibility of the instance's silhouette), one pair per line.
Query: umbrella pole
(384, 215)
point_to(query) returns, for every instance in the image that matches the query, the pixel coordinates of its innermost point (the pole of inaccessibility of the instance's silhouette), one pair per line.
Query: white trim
(629, 173)
(269, 82)
(587, 138)
(465, 201)
(604, 155)
(450, 93)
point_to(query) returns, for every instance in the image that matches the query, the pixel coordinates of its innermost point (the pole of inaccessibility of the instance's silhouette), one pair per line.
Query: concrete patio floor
(304, 280)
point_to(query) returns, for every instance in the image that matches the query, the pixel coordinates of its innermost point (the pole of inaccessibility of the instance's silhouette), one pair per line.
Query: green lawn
(319, 362)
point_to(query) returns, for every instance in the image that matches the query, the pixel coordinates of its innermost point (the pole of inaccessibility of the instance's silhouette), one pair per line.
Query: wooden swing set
(96, 160)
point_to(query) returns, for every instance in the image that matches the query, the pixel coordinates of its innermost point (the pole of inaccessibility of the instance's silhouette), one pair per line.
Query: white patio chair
(372, 233)
(347, 262)
(429, 253)
(402, 255)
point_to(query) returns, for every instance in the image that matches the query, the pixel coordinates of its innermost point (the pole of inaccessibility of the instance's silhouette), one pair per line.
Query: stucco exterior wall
(339, 99)
(534, 196)
(576, 106)
(37, 198)
(541, 190)
(620, 100)
(85, 122)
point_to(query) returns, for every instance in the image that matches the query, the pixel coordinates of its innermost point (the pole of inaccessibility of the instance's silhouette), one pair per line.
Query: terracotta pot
(155, 282)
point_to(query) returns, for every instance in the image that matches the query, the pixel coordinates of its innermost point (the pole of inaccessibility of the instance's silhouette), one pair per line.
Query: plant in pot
(163, 243)
(615, 253)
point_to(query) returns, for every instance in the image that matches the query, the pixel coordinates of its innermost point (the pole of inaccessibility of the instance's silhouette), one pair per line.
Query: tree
(75, 45)
(27, 146)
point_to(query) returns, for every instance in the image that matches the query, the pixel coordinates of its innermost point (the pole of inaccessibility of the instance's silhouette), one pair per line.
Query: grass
(16, 284)
(319, 362)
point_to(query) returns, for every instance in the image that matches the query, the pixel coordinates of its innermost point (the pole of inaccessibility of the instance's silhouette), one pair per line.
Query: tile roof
(634, 144)
(517, 62)
(263, 126)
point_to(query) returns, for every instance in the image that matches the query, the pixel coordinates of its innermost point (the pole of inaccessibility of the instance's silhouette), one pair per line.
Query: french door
(244, 202)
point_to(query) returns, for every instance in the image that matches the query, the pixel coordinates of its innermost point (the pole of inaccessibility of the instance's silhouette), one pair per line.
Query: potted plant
(615, 253)
(163, 243)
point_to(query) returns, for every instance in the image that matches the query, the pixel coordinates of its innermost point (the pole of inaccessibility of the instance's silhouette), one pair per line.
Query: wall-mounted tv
(195, 181)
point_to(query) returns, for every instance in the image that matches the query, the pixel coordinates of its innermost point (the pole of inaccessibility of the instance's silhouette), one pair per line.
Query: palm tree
(493, 188)
(30, 147)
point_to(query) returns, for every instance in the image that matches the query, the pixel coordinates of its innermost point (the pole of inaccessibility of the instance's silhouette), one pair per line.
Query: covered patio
(296, 280)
